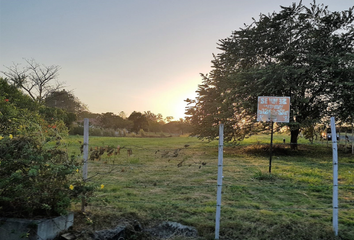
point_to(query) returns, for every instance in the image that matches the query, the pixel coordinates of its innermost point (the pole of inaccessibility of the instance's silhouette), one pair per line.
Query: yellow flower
(11, 137)
(102, 186)
(77, 170)
(1, 137)
(71, 187)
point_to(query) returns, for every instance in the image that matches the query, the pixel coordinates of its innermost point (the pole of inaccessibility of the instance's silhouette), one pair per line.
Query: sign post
(273, 109)
(271, 147)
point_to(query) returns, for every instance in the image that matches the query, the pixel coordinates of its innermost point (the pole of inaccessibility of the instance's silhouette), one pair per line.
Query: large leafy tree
(155, 122)
(306, 53)
(65, 100)
(110, 120)
(139, 121)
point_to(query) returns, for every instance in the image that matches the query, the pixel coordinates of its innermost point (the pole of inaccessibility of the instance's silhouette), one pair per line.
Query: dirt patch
(89, 226)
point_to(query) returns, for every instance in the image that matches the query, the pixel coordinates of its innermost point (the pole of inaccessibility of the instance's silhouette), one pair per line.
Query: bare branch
(36, 80)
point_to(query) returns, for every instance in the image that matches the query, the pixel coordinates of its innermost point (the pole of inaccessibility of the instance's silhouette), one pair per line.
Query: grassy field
(174, 179)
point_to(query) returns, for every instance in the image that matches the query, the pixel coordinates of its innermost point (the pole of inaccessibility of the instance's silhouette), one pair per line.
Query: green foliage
(142, 132)
(33, 180)
(35, 171)
(16, 97)
(64, 100)
(93, 131)
(139, 121)
(266, 176)
(302, 52)
(15, 107)
(292, 203)
(110, 124)
(112, 121)
(309, 133)
(180, 127)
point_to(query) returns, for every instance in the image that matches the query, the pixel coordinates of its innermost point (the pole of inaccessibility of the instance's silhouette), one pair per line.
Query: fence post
(85, 151)
(219, 187)
(352, 138)
(335, 176)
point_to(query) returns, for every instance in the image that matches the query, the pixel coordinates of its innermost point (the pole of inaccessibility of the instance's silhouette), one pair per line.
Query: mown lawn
(175, 178)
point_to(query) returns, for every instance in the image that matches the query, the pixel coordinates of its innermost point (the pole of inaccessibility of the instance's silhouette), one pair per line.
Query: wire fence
(234, 169)
(150, 180)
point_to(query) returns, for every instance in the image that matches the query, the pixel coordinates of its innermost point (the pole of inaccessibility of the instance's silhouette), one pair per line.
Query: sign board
(276, 109)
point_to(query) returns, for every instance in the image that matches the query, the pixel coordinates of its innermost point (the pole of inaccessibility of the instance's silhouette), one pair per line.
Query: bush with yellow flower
(36, 174)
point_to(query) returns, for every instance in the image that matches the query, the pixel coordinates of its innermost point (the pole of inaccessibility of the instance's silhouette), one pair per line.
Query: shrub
(94, 132)
(35, 173)
(34, 181)
(142, 133)
(77, 130)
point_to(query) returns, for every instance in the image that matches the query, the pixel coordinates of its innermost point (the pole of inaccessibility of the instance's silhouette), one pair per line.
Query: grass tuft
(265, 176)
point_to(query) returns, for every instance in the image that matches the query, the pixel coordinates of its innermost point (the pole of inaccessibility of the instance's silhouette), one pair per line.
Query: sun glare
(169, 98)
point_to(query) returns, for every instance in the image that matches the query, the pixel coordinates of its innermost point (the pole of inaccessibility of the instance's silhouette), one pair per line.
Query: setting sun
(169, 99)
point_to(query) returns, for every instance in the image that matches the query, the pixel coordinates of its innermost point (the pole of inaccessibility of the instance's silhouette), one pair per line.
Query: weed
(264, 176)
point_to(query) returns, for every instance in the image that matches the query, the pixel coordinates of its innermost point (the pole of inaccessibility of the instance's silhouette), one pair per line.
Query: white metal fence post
(220, 165)
(335, 176)
(352, 138)
(85, 151)
(85, 147)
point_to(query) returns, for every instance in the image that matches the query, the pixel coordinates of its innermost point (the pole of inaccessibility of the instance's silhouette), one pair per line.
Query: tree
(65, 100)
(302, 52)
(179, 127)
(110, 120)
(87, 114)
(155, 122)
(16, 109)
(168, 119)
(38, 81)
(12, 95)
(122, 114)
(139, 120)
(20, 115)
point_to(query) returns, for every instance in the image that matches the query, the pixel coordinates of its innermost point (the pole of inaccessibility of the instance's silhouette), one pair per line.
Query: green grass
(294, 202)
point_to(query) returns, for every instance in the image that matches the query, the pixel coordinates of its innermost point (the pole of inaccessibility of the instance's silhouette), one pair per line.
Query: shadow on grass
(303, 150)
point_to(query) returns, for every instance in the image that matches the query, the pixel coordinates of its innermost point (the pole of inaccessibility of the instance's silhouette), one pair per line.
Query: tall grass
(174, 179)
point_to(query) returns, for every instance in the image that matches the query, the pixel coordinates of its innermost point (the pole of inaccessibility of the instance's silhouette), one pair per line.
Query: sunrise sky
(131, 55)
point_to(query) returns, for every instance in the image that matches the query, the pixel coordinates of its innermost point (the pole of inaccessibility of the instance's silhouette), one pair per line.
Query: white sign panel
(276, 109)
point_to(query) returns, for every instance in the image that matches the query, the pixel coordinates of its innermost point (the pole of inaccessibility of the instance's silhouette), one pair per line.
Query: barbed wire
(210, 162)
(167, 203)
(214, 165)
(241, 187)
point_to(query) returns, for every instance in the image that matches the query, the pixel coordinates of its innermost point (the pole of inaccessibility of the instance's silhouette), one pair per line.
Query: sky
(128, 55)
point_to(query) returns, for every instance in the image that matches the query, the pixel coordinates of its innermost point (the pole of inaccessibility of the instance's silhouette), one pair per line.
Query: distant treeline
(137, 124)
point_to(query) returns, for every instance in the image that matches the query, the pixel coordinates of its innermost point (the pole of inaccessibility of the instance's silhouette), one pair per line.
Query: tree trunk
(293, 138)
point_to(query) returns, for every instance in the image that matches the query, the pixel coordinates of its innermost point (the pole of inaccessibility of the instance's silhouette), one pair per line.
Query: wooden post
(85, 150)
(220, 165)
(335, 176)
